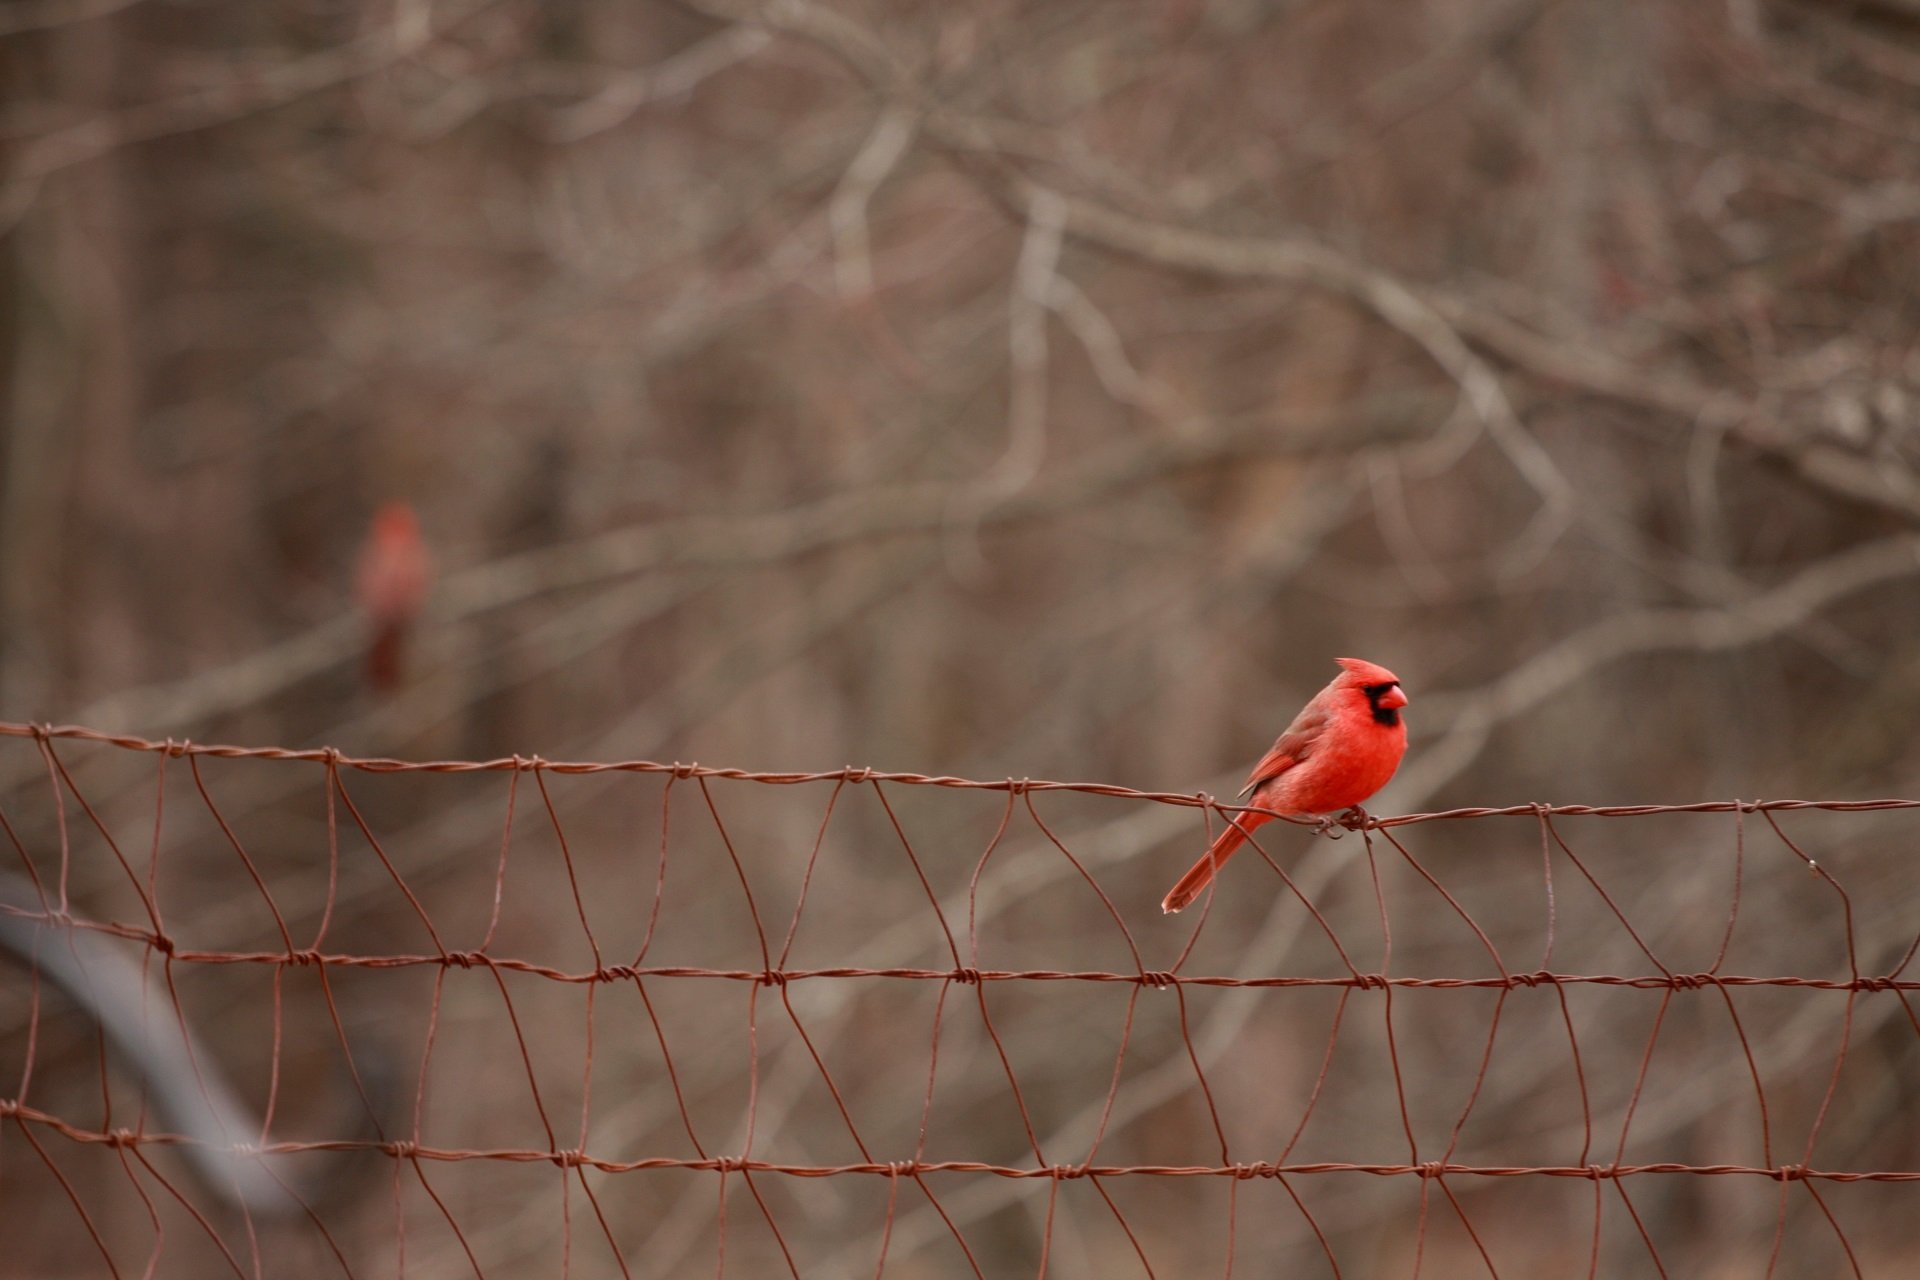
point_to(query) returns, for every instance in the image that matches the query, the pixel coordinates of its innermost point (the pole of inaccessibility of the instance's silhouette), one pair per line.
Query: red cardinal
(1340, 749)
(391, 585)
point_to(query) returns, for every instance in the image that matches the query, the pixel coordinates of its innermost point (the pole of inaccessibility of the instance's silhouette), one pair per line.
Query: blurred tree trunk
(73, 508)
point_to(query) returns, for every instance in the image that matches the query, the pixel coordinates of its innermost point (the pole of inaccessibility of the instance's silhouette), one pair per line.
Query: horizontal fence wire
(1809, 1092)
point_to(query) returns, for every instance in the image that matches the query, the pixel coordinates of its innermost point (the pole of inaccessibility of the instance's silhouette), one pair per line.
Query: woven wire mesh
(661, 1019)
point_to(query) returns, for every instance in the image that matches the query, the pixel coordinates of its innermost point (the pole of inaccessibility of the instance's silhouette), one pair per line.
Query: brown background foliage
(1041, 389)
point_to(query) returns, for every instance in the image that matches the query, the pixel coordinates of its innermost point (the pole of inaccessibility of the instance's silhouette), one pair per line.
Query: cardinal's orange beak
(1392, 699)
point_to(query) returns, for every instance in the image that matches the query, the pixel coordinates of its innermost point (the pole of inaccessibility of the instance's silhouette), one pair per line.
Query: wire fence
(646, 1018)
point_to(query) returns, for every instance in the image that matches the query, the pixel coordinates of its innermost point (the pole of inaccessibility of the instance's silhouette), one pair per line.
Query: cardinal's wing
(1291, 747)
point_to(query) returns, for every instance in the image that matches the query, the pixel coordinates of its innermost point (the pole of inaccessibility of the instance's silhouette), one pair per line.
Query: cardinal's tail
(386, 656)
(1200, 874)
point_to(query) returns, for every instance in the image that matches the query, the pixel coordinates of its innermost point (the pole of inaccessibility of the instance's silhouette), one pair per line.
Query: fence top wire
(181, 747)
(1194, 1065)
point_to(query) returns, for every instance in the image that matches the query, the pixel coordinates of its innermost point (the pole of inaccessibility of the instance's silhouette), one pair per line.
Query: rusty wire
(1788, 1162)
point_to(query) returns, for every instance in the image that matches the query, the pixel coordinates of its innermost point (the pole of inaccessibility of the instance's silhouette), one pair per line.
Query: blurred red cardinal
(390, 586)
(1340, 749)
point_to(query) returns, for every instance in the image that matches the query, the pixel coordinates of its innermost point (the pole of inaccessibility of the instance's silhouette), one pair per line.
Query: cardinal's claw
(1328, 827)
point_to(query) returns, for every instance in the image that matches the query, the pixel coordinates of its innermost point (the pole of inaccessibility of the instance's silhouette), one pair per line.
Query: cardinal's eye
(1376, 690)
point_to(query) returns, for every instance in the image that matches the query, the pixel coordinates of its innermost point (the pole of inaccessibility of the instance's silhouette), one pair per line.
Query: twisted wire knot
(1159, 980)
(967, 976)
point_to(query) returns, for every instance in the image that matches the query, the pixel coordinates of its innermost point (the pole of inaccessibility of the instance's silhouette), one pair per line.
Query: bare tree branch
(384, 47)
(730, 542)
